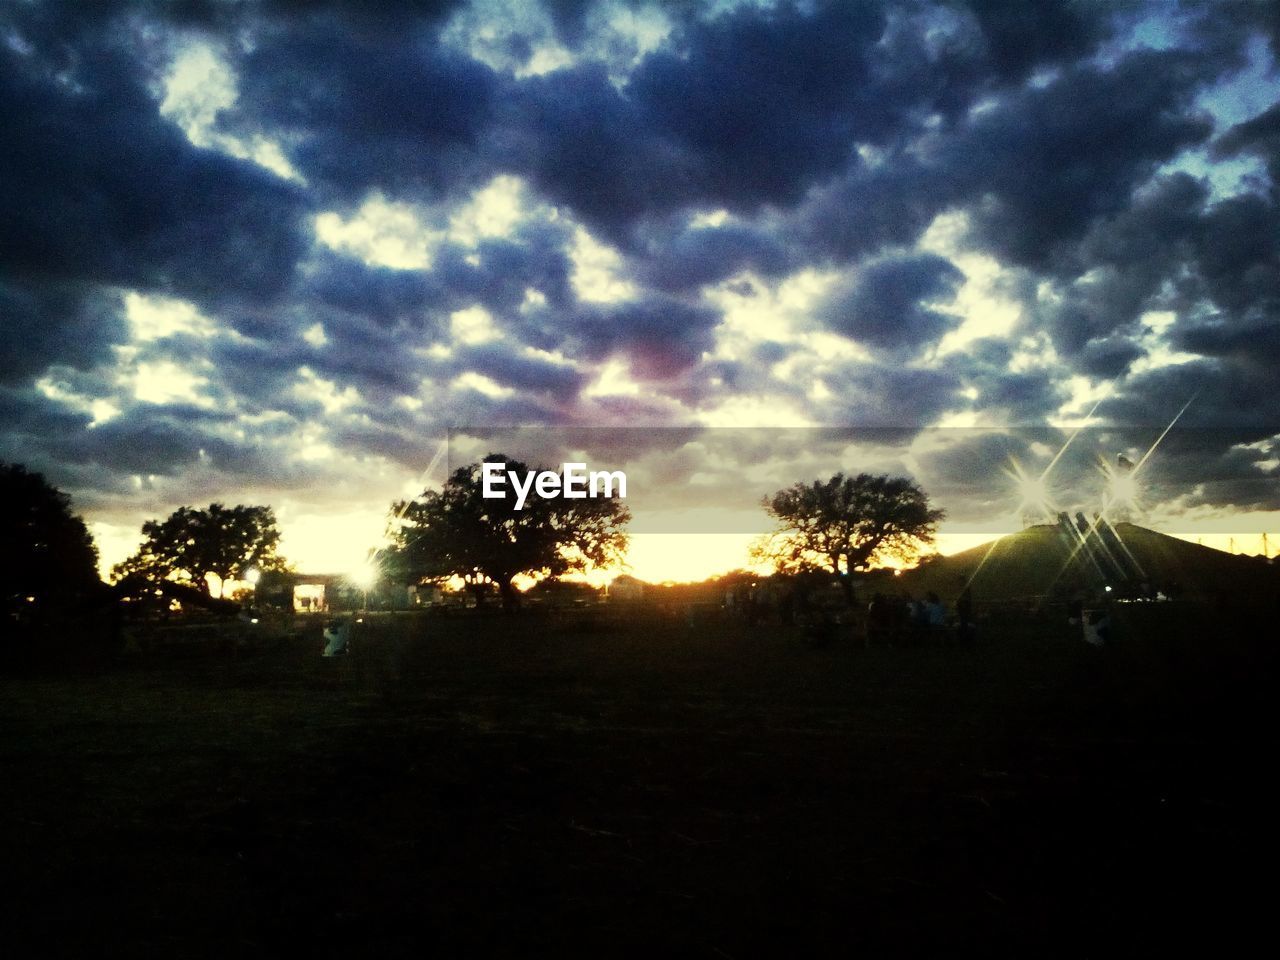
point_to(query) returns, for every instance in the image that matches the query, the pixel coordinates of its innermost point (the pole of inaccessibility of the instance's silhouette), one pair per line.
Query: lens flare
(1033, 491)
(363, 575)
(1123, 490)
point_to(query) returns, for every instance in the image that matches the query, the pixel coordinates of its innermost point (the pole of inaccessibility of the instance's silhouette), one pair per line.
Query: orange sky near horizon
(338, 543)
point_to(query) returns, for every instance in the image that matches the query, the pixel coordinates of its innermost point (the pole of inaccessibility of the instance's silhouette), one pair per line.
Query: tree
(191, 543)
(457, 532)
(47, 557)
(846, 524)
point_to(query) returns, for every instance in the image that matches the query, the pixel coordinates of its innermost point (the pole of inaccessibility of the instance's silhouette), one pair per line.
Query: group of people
(906, 620)
(899, 619)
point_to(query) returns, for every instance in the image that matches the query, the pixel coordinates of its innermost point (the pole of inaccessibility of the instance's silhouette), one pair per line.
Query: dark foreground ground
(514, 786)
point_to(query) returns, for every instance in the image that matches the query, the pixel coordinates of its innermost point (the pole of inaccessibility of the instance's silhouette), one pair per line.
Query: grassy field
(491, 785)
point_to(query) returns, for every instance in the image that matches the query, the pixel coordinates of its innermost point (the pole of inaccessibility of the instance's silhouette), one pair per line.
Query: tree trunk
(845, 578)
(510, 596)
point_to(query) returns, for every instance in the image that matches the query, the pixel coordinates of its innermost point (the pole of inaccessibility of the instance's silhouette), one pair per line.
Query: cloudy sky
(276, 252)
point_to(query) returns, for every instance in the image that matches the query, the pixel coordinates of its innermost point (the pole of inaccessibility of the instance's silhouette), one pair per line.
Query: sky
(282, 253)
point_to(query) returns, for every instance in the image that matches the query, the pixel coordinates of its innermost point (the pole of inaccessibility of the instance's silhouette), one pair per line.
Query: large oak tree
(190, 544)
(457, 532)
(47, 557)
(846, 524)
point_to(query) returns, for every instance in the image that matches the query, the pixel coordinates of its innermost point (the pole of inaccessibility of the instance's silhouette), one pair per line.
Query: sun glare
(364, 574)
(682, 557)
(1033, 492)
(1124, 489)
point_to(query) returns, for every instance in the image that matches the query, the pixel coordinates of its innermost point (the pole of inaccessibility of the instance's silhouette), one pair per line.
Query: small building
(324, 593)
(425, 595)
(625, 589)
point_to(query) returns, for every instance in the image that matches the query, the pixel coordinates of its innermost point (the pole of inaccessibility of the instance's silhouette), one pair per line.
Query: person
(916, 620)
(878, 620)
(964, 615)
(337, 637)
(1075, 608)
(1097, 628)
(787, 606)
(935, 611)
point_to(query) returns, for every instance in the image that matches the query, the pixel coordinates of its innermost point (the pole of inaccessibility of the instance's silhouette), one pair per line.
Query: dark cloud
(1017, 37)
(747, 109)
(1259, 136)
(874, 395)
(1238, 255)
(1247, 343)
(1043, 165)
(99, 188)
(1234, 400)
(534, 258)
(402, 113)
(1026, 397)
(387, 19)
(1150, 235)
(1109, 358)
(402, 446)
(382, 294)
(888, 305)
(51, 323)
(1036, 168)
(495, 274)
(101, 193)
(658, 336)
(149, 443)
(767, 100)
(889, 204)
(521, 370)
(585, 144)
(706, 255)
(968, 470)
(27, 416)
(60, 19)
(569, 18)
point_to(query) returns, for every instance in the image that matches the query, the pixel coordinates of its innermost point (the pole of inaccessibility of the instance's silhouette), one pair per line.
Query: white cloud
(597, 271)
(382, 233)
(473, 325)
(313, 388)
(493, 211)
(164, 381)
(481, 384)
(199, 85)
(315, 335)
(154, 318)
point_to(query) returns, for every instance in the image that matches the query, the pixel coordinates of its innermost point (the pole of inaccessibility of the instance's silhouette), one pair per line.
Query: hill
(1048, 559)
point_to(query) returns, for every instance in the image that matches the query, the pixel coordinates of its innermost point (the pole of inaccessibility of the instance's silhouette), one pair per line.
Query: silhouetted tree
(456, 531)
(191, 543)
(47, 558)
(845, 524)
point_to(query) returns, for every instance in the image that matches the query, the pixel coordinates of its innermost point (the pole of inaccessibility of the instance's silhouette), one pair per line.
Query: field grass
(518, 785)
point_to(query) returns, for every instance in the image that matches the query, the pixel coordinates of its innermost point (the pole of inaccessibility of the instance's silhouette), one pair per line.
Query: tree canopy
(847, 523)
(456, 531)
(47, 556)
(190, 544)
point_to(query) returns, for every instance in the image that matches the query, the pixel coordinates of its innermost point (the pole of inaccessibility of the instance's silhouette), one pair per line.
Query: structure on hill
(626, 589)
(1079, 553)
